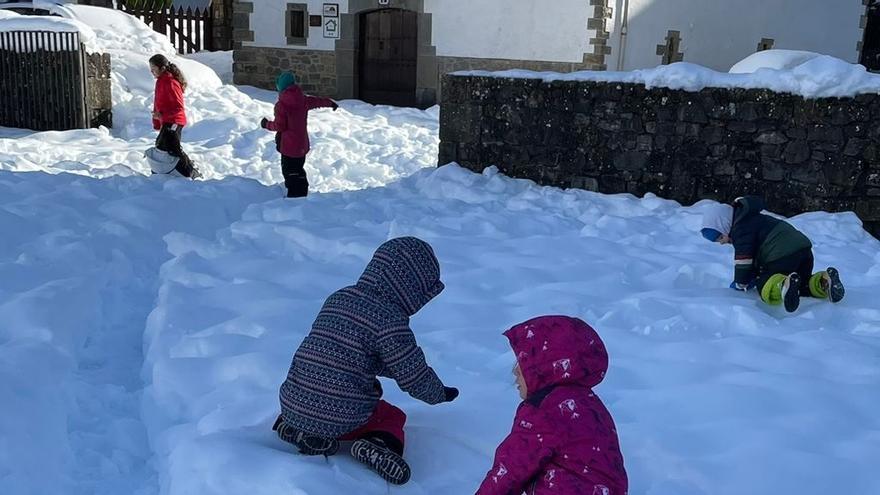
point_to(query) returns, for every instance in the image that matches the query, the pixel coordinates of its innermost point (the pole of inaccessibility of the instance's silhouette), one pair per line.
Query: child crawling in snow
(770, 255)
(362, 331)
(563, 441)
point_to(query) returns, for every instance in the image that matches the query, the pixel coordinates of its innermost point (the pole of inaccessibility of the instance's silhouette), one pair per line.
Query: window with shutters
(297, 19)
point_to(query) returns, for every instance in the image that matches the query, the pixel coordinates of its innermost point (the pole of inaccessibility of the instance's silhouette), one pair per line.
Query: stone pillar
(223, 34)
(241, 22)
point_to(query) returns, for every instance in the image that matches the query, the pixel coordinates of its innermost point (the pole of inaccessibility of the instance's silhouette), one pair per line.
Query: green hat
(285, 80)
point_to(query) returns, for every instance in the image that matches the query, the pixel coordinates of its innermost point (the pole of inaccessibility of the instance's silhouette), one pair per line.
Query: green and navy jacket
(759, 239)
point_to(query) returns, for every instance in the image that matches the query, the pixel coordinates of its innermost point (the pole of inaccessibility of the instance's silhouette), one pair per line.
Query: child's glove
(451, 393)
(264, 123)
(743, 287)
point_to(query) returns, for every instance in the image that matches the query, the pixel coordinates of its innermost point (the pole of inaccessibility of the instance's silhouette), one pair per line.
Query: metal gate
(388, 57)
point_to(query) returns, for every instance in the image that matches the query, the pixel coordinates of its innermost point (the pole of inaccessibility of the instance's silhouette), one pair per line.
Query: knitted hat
(717, 221)
(285, 80)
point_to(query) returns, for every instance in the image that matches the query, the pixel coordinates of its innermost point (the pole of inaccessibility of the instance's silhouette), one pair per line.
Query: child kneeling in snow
(291, 131)
(362, 331)
(770, 255)
(563, 440)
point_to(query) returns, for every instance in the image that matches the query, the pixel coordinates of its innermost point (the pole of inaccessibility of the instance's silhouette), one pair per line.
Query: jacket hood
(291, 96)
(558, 350)
(718, 217)
(746, 207)
(405, 272)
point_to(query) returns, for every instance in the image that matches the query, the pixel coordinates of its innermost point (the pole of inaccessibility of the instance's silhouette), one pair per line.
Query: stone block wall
(98, 96)
(799, 154)
(315, 69)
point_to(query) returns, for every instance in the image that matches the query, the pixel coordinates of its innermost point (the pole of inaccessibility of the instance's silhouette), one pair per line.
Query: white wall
(268, 24)
(547, 30)
(719, 33)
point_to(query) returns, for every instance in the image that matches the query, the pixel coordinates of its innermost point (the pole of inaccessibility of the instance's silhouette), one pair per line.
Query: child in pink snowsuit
(563, 441)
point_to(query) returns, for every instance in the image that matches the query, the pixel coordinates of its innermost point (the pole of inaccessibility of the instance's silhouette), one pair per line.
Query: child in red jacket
(563, 441)
(292, 134)
(169, 116)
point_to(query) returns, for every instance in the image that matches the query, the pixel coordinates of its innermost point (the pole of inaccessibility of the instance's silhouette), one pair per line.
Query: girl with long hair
(169, 116)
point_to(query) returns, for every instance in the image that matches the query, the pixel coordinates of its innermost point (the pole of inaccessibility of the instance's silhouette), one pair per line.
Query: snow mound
(78, 264)
(772, 59)
(817, 77)
(17, 22)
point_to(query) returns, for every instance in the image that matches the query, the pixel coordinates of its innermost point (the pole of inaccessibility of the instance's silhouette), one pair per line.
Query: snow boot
(827, 285)
(306, 443)
(791, 292)
(833, 285)
(374, 453)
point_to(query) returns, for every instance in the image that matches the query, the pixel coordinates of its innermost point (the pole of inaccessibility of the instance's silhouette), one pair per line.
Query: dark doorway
(870, 56)
(388, 57)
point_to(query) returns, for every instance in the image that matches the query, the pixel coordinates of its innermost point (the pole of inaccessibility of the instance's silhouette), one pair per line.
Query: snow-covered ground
(713, 393)
(147, 322)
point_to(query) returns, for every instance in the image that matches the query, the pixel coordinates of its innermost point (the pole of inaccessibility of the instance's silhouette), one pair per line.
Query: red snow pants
(386, 419)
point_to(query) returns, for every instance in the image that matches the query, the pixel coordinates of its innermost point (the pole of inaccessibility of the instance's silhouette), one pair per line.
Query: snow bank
(79, 259)
(818, 77)
(219, 62)
(713, 393)
(772, 59)
(50, 24)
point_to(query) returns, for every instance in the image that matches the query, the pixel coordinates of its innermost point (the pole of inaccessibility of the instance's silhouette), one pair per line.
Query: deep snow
(713, 393)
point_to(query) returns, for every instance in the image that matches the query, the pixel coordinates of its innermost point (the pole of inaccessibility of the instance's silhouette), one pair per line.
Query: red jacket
(291, 120)
(168, 101)
(563, 440)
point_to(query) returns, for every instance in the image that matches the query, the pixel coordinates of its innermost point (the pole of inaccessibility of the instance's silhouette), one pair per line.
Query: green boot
(781, 289)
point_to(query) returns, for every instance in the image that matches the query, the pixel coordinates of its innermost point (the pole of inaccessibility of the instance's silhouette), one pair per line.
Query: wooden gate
(43, 81)
(188, 30)
(388, 57)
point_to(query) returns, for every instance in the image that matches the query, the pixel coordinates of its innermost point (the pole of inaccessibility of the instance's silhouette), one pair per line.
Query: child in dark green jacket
(770, 254)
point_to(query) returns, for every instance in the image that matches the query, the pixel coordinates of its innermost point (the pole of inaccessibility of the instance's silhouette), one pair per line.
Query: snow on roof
(817, 77)
(47, 23)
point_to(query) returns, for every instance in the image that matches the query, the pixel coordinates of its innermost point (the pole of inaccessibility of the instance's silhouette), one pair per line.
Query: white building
(395, 51)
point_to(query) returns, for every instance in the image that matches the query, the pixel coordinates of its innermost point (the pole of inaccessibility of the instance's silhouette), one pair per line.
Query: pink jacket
(291, 120)
(563, 441)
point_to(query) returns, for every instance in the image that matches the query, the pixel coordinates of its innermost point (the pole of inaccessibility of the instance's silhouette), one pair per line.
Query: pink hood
(563, 440)
(558, 350)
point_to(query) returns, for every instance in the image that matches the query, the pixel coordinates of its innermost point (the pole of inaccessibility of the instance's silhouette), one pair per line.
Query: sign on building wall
(331, 20)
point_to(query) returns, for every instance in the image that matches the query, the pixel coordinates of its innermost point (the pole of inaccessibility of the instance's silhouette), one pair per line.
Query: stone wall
(800, 154)
(315, 69)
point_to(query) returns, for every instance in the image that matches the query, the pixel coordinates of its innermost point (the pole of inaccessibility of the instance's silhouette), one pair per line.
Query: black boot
(791, 292)
(376, 455)
(306, 443)
(835, 288)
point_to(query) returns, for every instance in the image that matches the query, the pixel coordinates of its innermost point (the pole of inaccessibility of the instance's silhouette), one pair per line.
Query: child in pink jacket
(563, 441)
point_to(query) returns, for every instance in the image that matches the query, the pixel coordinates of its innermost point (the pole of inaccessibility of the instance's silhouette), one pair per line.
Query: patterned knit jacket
(362, 332)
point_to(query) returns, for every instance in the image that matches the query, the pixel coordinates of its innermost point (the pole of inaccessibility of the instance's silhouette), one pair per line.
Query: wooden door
(388, 57)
